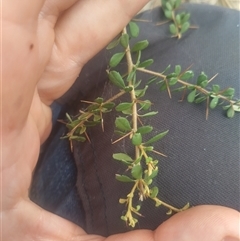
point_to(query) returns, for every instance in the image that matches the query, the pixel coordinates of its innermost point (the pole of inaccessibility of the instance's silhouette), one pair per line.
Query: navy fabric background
(202, 166)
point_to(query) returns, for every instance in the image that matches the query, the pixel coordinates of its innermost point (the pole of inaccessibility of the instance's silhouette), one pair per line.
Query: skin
(44, 45)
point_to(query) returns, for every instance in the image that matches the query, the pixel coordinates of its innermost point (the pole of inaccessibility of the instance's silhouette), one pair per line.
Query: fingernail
(231, 239)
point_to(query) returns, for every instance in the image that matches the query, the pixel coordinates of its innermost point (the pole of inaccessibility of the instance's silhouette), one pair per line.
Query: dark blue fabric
(53, 186)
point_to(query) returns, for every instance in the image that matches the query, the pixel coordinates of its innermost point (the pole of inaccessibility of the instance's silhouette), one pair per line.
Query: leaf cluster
(180, 21)
(199, 92)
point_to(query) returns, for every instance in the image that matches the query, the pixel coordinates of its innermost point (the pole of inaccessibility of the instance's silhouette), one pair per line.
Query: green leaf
(216, 88)
(124, 106)
(137, 171)
(236, 108)
(178, 69)
(169, 6)
(139, 54)
(123, 178)
(141, 93)
(134, 29)
(113, 44)
(200, 99)
(179, 89)
(185, 17)
(148, 148)
(185, 27)
(116, 59)
(137, 139)
(229, 92)
(131, 75)
(156, 138)
(169, 76)
(97, 118)
(108, 105)
(146, 104)
(187, 75)
(177, 3)
(152, 113)
(173, 81)
(144, 129)
(167, 69)
(124, 40)
(163, 86)
(146, 63)
(128, 88)
(154, 173)
(122, 157)
(173, 29)
(214, 102)
(151, 80)
(93, 107)
(178, 19)
(154, 192)
(230, 112)
(123, 124)
(137, 84)
(138, 160)
(202, 77)
(99, 100)
(204, 83)
(191, 96)
(168, 14)
(116, 79)
(140, 46)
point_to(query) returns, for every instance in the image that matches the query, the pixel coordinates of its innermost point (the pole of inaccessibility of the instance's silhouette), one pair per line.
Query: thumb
(211, 223)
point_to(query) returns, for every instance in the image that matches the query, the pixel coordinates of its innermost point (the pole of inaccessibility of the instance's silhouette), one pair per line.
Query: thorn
(87, 137)
(207, 109)
(213, 78)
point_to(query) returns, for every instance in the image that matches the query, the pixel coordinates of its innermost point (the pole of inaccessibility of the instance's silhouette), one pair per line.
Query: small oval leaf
(134, 29)
(185, 27)
(116, 59)
(137, 139)
(122, 156)
(137, 171)
(113, 44)
(202, 77)
(173, 29)
(230, 112)
(191, 96)
(144, 129)
(116, 79)
(146, 63)
(187, 75)
(214, 102)
(173, 81)
(123, 178)
(124, 106)
(124, 40)
(156, 138)
(154, 192)
(140, 46)
(122, 124)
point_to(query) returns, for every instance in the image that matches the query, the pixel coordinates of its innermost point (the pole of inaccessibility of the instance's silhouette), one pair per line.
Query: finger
(89, 25)
(81, 32)
(212, 223)
(53, 8)
(20, 67)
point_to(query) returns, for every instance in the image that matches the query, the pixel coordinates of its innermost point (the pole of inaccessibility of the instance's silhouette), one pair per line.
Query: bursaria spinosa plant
(142, 168)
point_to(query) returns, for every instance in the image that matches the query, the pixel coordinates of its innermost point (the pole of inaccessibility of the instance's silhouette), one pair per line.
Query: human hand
(44, 46)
